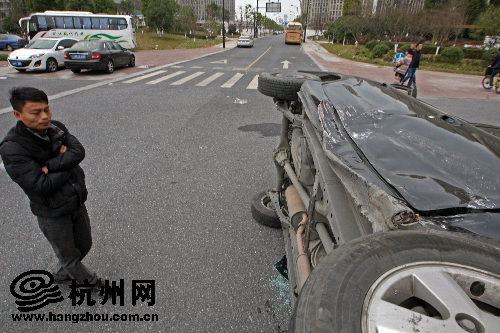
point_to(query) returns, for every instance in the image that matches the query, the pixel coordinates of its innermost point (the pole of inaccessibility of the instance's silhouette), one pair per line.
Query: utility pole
(223, 27)
(305, 25)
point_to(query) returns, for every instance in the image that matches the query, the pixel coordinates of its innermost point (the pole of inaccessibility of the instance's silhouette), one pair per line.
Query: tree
(104, 6)
(160, 14)
(127, 7)
(10, 22)
(80, 5)
(186, 19)
(488, 18)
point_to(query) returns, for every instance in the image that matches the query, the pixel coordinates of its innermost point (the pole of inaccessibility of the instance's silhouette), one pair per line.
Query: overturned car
(390, 209)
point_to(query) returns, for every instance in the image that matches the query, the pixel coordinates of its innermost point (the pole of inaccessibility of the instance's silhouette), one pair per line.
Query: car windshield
(15, 37)
(41, 44)
(86, 45)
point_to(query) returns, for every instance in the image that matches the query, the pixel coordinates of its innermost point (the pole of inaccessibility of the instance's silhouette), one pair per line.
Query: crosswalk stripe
(144, 77)
(255, 83)
(186, 79)
(232, 80)
(166, 77)
(209, 79)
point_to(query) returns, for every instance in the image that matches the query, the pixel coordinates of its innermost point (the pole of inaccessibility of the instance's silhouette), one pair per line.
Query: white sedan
(245, 41)
(41, 54)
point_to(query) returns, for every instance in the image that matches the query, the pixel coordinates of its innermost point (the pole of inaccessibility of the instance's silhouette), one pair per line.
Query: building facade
(321, 12)
(200, 7)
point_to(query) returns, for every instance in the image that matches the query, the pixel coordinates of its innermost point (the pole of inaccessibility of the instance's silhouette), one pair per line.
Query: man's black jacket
(62, 190)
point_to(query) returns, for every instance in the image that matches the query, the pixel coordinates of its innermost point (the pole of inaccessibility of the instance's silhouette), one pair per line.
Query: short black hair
(20, 95)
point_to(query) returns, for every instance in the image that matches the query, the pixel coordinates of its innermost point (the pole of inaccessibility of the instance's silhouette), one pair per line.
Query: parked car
(245, 41)
(392, 204)
(11, 42)
(41, 54)
(99, 55)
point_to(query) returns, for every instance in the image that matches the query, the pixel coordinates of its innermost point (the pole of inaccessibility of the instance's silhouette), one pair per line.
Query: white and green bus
(81, 25)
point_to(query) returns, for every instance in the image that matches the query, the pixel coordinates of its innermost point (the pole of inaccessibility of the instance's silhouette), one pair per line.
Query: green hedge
(451, 55)
(3, 57)
(388, 43)
(472, 53)
(371, 44)
(380, 50)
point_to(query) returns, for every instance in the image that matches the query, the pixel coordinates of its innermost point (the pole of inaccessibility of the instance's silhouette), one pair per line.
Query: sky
(286, 8)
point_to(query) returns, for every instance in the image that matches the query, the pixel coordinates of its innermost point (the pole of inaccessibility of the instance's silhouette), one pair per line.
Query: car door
(113, 53)
(59, 53)
(3, 41)
(124, 57)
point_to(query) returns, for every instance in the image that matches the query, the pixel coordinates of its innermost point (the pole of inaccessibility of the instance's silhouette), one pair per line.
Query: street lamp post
(305, 25)
(223, 27)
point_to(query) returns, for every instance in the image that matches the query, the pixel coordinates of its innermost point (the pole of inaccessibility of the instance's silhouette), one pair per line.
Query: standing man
(43, 158)
(495, 65)
(415, 63)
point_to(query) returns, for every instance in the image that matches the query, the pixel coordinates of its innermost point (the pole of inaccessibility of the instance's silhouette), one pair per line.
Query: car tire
(110, 67)
(486, 82)
(374, 280)
(283, 85)
(263, 212)
(132, 61)
(51, 65)
(10, 48)
(76, 70)
(20, 70)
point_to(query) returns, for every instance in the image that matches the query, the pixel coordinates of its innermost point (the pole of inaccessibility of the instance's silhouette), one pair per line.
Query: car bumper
(30, 64)
(88, 64)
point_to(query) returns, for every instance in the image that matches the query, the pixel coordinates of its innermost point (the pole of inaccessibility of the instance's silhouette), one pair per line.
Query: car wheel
(110, 67)
(486, 82)
(75, 70)
(10, 48)
(403, 281)
(283, 85)
(132, 61)
(51, 65)
(263, 211)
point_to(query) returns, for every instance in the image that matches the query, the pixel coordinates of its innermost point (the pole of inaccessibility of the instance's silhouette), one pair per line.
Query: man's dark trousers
(71, 239)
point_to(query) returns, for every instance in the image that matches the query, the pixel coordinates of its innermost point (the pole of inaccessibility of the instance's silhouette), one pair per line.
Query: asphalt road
(171, 165)
(171, 170)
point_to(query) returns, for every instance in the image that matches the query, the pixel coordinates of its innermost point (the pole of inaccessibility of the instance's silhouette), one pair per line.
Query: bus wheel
(284, 85)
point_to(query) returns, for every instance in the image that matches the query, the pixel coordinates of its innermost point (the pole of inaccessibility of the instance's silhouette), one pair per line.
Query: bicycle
(496, 80)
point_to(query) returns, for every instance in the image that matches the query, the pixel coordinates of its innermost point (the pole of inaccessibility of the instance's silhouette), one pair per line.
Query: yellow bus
(293, 33)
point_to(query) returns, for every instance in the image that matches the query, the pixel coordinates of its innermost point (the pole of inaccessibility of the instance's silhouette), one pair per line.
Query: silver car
(245, 41)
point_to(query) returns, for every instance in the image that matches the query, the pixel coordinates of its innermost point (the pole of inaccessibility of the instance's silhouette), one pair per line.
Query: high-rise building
(200, 7)
(321, 12)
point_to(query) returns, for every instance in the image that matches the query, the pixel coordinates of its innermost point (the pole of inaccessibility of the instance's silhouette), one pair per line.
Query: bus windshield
(294, 27)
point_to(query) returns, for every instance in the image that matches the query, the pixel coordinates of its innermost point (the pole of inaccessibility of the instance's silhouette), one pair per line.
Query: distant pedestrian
(402, 66)
(398, 55)
(495, 65)
(415, 63)
(43, 158)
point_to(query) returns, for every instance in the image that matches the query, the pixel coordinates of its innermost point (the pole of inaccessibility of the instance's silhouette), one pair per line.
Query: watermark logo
(34, 290)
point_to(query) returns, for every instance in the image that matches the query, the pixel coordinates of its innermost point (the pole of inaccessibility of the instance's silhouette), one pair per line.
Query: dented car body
(376, 192)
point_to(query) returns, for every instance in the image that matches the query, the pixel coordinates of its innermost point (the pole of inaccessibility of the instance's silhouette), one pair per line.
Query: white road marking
(255, 83)
(196, 67)
(285, 64)
(232, 80)
(209, 79)
(219, 62)
(176, 66)
(144, 77)
(166, 77)
(186, 79)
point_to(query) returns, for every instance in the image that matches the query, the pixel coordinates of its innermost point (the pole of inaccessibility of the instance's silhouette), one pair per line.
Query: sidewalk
(430, 84)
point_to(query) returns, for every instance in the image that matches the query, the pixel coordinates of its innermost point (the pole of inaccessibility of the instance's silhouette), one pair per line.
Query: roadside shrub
(3, 57)
(429, 49)
(470, 53)
(404, 47)
(371, 44)
(489, 55)
(388, 43)
(452, 55)
(380, 50)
